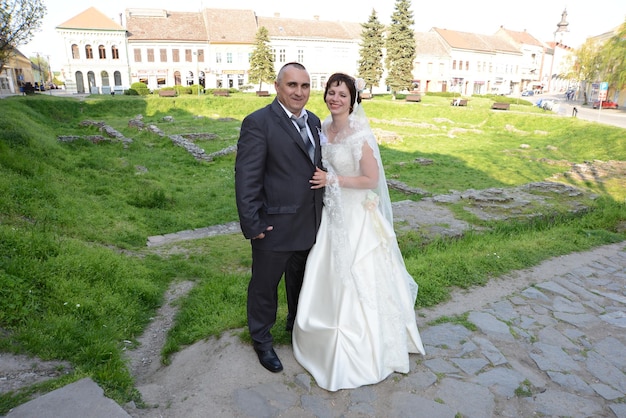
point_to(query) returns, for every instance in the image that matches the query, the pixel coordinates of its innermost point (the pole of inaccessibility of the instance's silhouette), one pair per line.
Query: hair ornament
(359, 83)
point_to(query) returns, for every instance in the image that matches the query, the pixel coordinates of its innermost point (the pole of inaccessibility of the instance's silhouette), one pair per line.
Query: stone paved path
(548, 341)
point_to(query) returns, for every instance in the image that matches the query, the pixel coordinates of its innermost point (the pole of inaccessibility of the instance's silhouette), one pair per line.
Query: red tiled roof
(91, 18)
(521, 38)
(230, 26)
(158, 24)
(310, 28)
(475, 41)
(429, 43)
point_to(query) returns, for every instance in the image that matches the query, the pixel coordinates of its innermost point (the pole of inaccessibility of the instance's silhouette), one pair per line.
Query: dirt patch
(145, 357)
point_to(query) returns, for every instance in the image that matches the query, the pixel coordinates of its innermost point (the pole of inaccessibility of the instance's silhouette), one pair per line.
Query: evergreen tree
(262, 60)
(401, 48)
(371, 52)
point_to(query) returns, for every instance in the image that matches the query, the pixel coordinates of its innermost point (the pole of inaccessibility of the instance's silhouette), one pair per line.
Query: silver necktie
(305, 136)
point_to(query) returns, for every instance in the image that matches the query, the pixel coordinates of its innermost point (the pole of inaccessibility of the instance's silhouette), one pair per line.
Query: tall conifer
(401, 48)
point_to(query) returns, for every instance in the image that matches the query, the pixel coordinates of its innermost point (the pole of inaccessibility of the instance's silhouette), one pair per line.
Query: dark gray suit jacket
(272, 173)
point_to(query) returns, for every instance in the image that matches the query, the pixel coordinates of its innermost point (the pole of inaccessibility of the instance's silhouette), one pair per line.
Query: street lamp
(39, 68)
(552, 63)
(198, 69)
(49, 75)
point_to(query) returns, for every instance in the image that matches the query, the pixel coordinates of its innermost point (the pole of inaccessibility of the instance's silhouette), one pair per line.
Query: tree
(20, 19)
(587, 65)
(371, 52)
(43, 67)
(613, 59)
(262, 60)
(401, 48)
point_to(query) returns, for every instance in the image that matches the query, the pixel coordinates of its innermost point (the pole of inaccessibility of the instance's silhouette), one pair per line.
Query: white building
(96, 59)
(478, 64)
(212, 48)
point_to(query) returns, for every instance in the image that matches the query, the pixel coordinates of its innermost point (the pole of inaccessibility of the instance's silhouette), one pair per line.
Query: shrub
(140, 88)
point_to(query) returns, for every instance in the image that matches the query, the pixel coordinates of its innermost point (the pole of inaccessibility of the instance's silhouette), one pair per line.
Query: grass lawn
(77, 282)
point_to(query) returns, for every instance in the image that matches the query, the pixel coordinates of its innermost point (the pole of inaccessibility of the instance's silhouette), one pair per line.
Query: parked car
(548, 104)
(528, 93)
(606, 104)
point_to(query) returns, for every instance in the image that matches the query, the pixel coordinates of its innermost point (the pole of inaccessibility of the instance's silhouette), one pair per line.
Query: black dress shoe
(269, 360)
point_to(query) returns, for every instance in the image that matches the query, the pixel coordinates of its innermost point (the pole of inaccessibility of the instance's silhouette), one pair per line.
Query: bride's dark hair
(336, 80)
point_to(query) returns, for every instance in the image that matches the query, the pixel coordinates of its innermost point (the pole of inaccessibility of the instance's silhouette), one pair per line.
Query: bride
(355, 323)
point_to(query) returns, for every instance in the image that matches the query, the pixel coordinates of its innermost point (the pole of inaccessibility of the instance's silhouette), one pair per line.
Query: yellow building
(16, 72)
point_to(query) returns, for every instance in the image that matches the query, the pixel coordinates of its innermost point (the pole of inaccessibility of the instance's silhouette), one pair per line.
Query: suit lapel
(291, 129)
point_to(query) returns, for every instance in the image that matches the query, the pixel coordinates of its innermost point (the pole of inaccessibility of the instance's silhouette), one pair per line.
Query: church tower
(561, 29)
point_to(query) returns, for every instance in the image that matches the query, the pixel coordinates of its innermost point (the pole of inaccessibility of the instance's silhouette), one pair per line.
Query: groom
(278, 210)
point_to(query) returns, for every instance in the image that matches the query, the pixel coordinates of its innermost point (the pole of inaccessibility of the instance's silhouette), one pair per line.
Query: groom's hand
(262, 234)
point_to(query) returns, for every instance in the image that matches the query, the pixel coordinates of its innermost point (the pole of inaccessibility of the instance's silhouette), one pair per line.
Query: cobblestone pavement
(548, 341)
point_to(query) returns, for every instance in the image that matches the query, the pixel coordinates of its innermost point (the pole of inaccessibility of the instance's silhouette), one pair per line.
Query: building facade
(212, 48)
(96, 57)
(17, 71)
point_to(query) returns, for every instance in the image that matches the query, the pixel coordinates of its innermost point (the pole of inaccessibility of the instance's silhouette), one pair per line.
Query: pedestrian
(356, 314)
(278, 210)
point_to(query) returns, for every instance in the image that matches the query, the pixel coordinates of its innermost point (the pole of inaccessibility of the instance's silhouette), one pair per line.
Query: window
(202, 78)
(150, 54)
(163, 54)
(218, 57)
(281, 55)
(117, 77)
(460, 65)
(88, 52)
(137, 52)
(454, 65)
(177, 78)
(188, 55)
(300, 55)
(430, 68)
(176, 57)
(75, 53)
(201, 55)
(105, 78)
(229, 57)
(102, 52)
(466, 65)
(115, 53)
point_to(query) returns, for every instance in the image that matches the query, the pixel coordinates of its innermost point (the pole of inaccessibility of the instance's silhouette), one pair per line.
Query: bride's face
(338, 100)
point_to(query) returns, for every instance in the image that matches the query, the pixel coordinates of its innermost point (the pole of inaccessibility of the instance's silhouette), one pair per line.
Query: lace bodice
(344, 156)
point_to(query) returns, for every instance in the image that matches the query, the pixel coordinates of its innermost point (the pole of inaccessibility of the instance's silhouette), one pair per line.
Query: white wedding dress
(355, 323)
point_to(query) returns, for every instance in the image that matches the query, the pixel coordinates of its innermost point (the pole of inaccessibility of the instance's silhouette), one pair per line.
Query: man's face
(293, 89)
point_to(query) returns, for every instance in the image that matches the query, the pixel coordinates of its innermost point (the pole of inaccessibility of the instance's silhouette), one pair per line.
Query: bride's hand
(319, 179)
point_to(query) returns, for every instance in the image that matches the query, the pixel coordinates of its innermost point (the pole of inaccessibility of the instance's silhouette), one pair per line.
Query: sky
(538, 17)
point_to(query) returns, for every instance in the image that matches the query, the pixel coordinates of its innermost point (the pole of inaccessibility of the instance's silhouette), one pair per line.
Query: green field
(77, 279)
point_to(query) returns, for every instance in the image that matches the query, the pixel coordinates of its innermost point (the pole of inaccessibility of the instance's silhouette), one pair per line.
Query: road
(614, 117)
